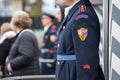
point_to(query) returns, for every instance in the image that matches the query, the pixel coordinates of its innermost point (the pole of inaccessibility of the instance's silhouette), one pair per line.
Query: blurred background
(35, 8)
(107, 11)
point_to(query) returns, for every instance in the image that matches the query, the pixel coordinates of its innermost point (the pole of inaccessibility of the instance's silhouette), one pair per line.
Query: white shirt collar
(68, 8)
(47, 27)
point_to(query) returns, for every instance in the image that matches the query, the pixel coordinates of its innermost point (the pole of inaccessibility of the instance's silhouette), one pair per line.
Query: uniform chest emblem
(52, 38)
(82, 33)
(54, 28)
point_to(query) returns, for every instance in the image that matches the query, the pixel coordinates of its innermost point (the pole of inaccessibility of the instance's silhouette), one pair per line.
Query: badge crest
(82, 33)
(52, 38)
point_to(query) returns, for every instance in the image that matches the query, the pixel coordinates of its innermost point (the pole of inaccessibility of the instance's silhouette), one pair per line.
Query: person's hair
(62, 9)
(4, 28)
(21, 19)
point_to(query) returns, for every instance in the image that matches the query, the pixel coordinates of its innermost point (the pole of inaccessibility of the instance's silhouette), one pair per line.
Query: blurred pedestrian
(6, 41)
(48, 51)
(23, 56)
(6, 32)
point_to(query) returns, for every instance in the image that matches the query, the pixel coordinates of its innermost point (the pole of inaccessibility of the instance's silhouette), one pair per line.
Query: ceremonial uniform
(78, 45)
(48, 51)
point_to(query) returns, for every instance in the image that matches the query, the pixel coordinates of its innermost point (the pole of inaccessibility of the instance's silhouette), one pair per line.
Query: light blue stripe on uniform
(66, 57)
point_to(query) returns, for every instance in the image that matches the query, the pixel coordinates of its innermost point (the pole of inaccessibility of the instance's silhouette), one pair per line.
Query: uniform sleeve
(86, 42)
(25, 52)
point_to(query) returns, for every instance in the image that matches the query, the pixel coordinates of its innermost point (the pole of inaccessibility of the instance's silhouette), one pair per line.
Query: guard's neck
(73, 2)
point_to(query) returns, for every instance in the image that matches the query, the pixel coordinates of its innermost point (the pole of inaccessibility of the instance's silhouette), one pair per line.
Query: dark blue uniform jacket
(79, 36)
(48, 50)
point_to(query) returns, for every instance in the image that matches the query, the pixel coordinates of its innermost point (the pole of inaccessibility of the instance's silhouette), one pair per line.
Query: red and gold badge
(52, 38)
(82, 33)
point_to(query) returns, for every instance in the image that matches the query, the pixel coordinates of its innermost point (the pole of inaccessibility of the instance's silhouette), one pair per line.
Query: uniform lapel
(48, 31)
(67, 18)
(61, 25)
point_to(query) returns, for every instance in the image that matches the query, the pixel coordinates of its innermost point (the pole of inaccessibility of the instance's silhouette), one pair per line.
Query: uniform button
(46, 36)
(58, 63)
(63, 27)
(58, 45)
(10, 73)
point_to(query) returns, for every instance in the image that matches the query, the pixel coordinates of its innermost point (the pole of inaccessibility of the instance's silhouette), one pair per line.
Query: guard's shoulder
(82, 8)
(82, 12)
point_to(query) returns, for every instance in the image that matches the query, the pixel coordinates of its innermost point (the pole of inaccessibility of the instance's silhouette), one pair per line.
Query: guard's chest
(66, 33)
(47, 36)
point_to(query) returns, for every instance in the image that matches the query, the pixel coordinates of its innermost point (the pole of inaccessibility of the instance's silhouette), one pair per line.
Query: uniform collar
(69, 8)
(74, 3)
(47, 27)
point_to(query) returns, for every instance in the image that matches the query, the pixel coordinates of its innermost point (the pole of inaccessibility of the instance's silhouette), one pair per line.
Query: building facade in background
(33, 7)
(6, 8)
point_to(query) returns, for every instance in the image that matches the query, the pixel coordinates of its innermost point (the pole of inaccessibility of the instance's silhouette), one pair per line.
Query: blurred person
(6, 41)
(5, 32)
(78, 43)
(48, 51)
(60, 12)
(59, 16)
(23, 57)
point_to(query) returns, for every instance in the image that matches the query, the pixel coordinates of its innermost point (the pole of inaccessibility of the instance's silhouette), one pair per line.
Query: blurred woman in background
(23, 57)
(60, 12)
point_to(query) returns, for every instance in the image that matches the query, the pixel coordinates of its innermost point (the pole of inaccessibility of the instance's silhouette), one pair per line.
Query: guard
(48, 50)
(78, 43)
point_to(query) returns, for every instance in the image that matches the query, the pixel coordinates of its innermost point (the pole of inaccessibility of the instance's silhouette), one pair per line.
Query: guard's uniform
(78, 45)
(48, 51)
